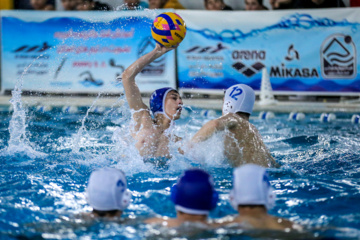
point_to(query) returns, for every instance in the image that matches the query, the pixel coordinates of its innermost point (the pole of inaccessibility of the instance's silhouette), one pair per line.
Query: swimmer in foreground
(194, 197)
(243, 142)
(152, 135)
(252, 196)
(107, 193)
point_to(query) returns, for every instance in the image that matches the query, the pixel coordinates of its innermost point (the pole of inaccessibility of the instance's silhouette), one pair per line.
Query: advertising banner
(79, 52)
(304, 51)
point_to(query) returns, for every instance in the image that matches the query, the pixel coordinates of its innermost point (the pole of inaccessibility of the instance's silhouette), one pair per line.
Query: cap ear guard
(173, 193)
(232, 200)
(271, 197)
(125, 200)
(214, 200)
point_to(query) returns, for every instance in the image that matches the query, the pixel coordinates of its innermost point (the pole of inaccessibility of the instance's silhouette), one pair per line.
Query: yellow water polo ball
(168, 29)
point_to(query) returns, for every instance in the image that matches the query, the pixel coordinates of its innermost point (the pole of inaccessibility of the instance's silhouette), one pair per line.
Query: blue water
(46, 159)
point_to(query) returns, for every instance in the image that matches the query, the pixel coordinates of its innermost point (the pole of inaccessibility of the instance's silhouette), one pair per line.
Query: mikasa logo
(285, 71)
(338, 57)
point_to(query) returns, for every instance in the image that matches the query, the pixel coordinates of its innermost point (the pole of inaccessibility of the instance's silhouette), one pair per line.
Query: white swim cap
(251, 186)
(107, 190)
(239, 98)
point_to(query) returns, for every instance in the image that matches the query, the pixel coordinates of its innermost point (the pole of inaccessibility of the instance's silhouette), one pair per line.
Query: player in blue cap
(194, 197)
(242, 141)
(152, 135)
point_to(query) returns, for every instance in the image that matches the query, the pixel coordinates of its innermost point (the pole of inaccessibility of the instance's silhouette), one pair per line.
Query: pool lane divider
(296, 116)
(327, 117)
(264, 115)
(70, 109)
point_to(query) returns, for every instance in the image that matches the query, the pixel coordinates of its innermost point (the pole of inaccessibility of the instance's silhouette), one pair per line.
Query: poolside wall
(313, 52)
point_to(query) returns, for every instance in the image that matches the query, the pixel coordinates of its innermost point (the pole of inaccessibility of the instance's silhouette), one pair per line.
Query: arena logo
(249, 55)
(284, 71)
(254, 68)
(156, 67)
(209, 49)
(248, 71)
(338, 57)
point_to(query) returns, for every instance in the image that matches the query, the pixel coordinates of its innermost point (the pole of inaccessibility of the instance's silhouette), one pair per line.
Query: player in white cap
(107, 193)
(243, 142)
(252, 196)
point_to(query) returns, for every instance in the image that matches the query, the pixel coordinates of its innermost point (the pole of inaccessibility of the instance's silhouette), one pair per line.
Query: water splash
(18, 142)
(79, 137)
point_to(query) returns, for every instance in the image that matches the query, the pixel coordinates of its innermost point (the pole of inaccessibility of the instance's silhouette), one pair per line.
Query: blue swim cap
(157, 100)
(194, 193)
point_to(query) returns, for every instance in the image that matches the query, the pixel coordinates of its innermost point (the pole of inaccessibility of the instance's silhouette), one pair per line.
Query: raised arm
(132, 91)
(213, 126)
(206, 131)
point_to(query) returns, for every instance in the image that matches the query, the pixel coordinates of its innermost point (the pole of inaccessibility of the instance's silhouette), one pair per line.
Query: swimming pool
(47, 157)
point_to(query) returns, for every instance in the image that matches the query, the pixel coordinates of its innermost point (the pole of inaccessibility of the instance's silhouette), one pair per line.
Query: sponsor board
(55, 53)
(305, 52)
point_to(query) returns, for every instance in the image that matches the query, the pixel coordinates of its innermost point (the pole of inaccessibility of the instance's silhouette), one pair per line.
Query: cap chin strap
(163, 113)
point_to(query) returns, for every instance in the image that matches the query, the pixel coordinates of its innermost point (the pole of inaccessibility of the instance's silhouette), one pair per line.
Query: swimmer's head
(251, 186)
(194, 193)
(160, 104)
(107, 190)
(239, 98)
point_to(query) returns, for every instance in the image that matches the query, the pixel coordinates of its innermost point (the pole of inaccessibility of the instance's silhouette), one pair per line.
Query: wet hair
(110, 213)
(244, 113)
(252, 206)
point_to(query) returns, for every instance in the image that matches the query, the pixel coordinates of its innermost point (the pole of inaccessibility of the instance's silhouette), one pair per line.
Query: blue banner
(304, 51)
(79, 53)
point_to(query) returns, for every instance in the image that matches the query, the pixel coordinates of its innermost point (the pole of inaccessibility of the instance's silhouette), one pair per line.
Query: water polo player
(194, 197)
(252, 197)
(107, 193)
(152, 135)
(242, 141)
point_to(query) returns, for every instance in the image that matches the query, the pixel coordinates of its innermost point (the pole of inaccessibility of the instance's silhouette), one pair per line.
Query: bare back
(264, 222)
(243, 143)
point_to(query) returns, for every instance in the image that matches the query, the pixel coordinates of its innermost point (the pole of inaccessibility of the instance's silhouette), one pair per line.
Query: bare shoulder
(164, 221)
(234, 121)
(229, 121)
(285, 223)
(143, 117)
(155, 220)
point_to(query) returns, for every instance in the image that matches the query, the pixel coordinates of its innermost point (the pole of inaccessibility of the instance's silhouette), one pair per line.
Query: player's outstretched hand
(160, 50)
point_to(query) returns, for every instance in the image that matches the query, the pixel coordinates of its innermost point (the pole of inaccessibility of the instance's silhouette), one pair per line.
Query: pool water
(46, 159)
